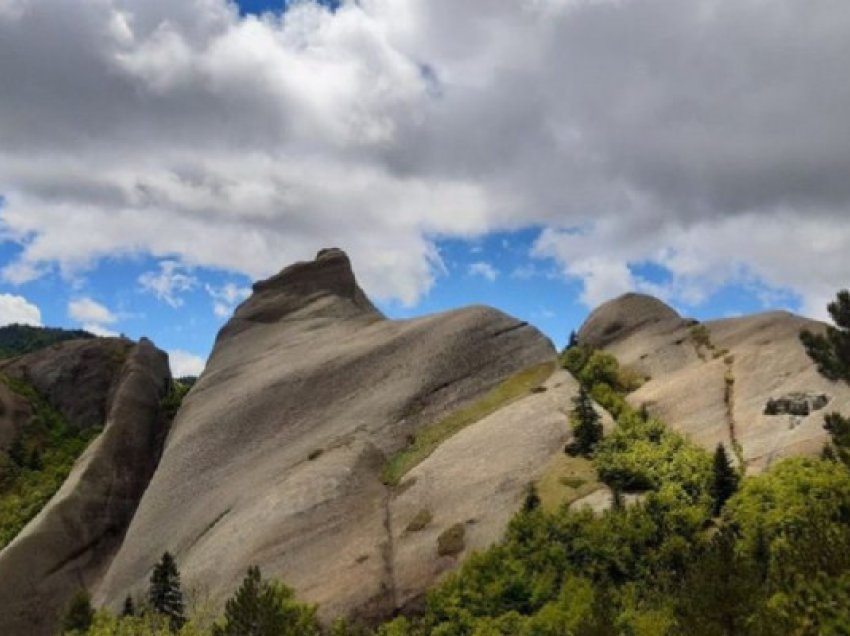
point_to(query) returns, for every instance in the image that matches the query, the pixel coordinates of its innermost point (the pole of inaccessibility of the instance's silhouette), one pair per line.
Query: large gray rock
(276, 456)
(72, 540)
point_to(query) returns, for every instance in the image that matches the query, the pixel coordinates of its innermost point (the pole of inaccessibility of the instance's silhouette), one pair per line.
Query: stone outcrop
(276, 457)
(72, 540)
(799, 404)
(712, 380)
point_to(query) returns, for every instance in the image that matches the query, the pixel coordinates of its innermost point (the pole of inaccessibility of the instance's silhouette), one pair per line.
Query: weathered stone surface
(68, 545)
(276, 456)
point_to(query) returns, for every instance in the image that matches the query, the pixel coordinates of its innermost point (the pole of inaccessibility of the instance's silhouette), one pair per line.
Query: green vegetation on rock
(430, 437)
(38, 462)
(16, 340)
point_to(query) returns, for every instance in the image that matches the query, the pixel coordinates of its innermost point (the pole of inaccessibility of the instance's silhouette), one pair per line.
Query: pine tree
(263, 608)
(79, 613)
(587, 428)
(725, 479)
(165, 595)
(129, 608)
(831, 351)
(573, 342)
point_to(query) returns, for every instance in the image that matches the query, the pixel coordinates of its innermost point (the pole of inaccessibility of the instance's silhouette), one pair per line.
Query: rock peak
(325, 286)
(622, 316)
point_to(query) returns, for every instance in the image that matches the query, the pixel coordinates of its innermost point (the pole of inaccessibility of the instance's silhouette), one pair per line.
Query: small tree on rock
(79, 613)
(587, 427)
(129, 608)
(165, 594)
(724, 480)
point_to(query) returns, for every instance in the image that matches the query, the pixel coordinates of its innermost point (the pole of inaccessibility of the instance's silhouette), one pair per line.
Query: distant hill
(16, 340)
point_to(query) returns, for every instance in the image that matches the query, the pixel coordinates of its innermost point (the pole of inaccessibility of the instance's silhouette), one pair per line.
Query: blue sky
(496, 270)
(539, 157)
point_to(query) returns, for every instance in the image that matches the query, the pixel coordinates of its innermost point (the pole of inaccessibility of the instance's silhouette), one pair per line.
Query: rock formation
(277, 455)
(69, 544)
(713, 380)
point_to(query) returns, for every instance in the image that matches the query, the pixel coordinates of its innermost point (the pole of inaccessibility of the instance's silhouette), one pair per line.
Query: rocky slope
(716, 381)
(279, 454)
(105, 382)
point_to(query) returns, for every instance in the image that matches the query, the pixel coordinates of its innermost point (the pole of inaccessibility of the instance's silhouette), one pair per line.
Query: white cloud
(89, 311)
(484, 270)
(93, 316)
(184, 363)
(168, 283)
(181, 130)
(99, 330)
(226, 297)
(18, 310)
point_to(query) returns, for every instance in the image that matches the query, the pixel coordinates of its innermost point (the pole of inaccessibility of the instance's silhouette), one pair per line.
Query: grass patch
(38, 462)
(420, 520)
(565, 480)
(430, 437)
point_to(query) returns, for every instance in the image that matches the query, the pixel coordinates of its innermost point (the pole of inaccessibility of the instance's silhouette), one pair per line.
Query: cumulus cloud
(185, 364)
(708, 137)
(90, 311)
(483, 269)
(169, 282)
(18, 310)
(93, 316)
(226, 297)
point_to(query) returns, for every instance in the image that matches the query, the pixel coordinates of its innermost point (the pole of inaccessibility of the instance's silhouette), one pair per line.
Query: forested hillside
(16, 340)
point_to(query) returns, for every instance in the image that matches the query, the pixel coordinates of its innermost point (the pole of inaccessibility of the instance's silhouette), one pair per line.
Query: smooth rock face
(275, 457)
(712, 381)
(69, 544)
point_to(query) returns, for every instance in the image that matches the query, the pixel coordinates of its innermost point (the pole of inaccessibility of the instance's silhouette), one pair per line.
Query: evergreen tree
(79, 613)
(838, 428)
(725, 479)
(129, 608)
(262, 608)
(831, 351)
(587, 428)
(573, 342)
(165, 595)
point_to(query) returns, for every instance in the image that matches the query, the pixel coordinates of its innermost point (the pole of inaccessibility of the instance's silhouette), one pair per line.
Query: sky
(540, 156)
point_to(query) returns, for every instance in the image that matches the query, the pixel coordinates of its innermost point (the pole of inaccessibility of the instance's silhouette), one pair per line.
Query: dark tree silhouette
(165, 594)
(587, 428)
(725, 480)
